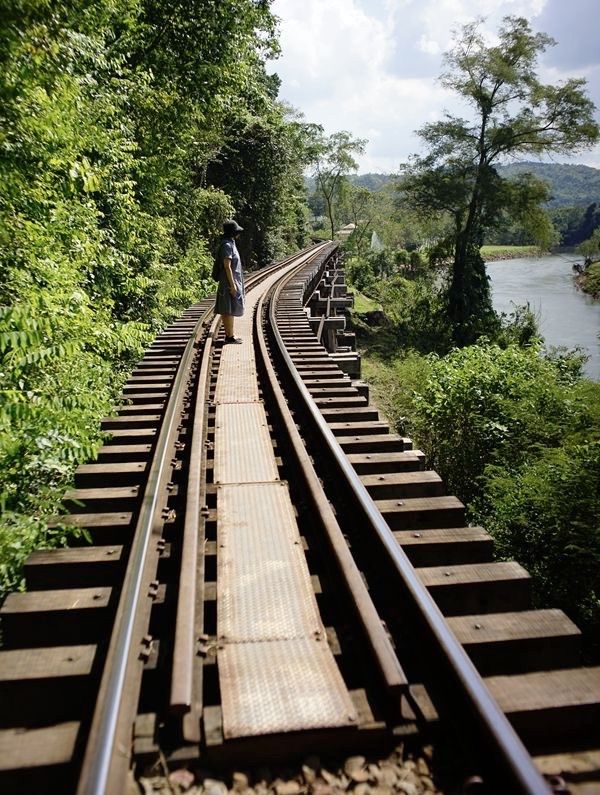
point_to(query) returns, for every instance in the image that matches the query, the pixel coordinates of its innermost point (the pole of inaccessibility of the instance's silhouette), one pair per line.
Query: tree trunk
(469, 299)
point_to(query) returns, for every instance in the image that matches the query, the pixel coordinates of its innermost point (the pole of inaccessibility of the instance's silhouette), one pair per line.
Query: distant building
(345, 232)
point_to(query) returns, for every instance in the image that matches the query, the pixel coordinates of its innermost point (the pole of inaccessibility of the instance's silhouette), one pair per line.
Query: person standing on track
(231, 297)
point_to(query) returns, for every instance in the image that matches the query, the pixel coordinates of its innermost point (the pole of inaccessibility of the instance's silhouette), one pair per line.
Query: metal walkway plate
(238, 380)
(264, 589)
(243, 449)
(281, 686)
(276, 670)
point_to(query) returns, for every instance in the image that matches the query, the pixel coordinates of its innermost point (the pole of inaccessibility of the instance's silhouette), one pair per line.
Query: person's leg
(228, 325)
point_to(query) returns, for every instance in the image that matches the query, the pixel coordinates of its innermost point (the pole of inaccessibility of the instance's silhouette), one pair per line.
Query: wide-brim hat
(231, 227)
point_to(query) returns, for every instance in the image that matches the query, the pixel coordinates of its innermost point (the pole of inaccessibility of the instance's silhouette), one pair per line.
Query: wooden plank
(55, 617)
(324, 384)
(377, 463)
(335, 389)
(518, 642)
(37, 748)
(73, 566)
(359, 428)
(163, 379)
(123, 452)
(315, 375)
(99, 500)
(478, 588)
(139, 396)
(422, 512)
(113, 519)
(342, 401)
(550, 706)
(63, 600)
(362, 414)
(139, 421)
(441, 546)
(381, 442)
(125, 473)
(146, 389)
(135, 408)
(574, 766)
(134, 435)
(21, 665)
(403, 484)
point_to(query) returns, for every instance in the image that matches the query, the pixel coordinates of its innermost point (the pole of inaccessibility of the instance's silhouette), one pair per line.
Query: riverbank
(495, 253)
(589, 281)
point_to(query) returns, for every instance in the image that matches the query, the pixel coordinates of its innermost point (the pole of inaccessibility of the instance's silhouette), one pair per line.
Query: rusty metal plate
(281, 686)
(238, 380)
(243, 449)
(264, 590)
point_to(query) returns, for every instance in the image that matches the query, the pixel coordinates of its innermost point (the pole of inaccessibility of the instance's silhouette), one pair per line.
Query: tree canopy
(511, 113)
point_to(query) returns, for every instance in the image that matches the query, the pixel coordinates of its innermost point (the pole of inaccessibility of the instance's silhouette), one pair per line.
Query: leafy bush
(516, 435)
(547, 516)
(486, 405)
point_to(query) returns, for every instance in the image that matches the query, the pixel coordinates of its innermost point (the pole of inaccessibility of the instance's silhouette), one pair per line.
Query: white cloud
(370, 66)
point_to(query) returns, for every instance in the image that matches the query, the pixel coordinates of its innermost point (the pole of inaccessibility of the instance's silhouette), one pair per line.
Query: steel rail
(389, 666)
(183, 646)
(511, 760)
(102, 741)
(100, 748)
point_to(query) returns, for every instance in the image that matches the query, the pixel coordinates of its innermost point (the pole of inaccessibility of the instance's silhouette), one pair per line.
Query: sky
(371, 66)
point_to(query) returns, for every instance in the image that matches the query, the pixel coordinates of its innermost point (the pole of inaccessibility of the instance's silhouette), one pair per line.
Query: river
(567, 316)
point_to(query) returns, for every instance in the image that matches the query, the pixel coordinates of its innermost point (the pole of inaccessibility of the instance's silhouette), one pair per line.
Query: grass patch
(364, 304)
(508, 252)
(392, 383)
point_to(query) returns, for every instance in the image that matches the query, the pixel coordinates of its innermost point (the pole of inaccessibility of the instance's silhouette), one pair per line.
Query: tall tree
(334, 160)
(512, 114)
(362, 207)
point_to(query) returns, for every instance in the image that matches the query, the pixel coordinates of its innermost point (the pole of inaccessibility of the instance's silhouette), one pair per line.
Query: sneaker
(233, 340)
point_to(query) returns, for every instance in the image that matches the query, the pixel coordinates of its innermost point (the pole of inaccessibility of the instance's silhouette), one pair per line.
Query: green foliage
(546, 516)
(590, 280)
(112, 114)
(416, 309)
(591, 248)
(576, 224)
(486, 405)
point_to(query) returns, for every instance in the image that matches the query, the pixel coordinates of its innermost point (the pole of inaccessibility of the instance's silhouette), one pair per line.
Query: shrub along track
(407, 595)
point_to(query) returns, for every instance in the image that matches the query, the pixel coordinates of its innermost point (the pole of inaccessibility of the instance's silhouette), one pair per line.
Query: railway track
(272, 571)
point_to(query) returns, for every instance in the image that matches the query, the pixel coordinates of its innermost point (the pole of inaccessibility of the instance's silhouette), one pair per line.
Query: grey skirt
(226, 304)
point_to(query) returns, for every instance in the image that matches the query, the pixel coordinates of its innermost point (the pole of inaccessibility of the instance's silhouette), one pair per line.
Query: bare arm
(229, 275)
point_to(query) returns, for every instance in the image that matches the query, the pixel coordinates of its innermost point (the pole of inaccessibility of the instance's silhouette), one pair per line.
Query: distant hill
(570, 185)
(372, 181)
